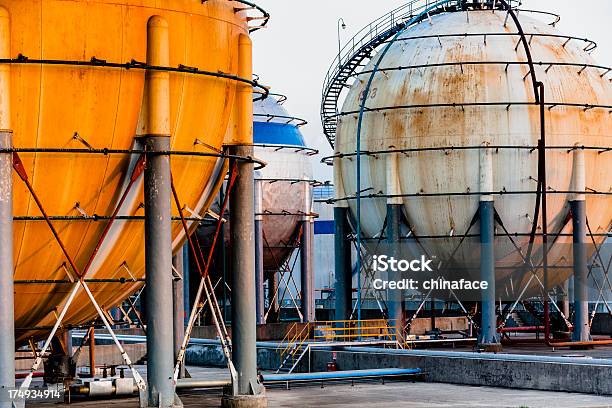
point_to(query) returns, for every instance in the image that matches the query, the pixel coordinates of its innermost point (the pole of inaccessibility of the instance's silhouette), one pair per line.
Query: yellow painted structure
(49, 104)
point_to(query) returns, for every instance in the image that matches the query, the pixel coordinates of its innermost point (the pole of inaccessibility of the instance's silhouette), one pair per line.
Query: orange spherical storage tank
(58, 103)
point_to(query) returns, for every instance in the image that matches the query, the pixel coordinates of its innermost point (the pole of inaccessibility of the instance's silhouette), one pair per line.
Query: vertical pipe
(578, 209)
(306, 257)
(566, 303)
(186, 271)
(92, 352)
(246, 391)
(273, 302)
(394, 219)
(179, 307)
(259, 248)
(343, 285)
(68, 342)
(7, 311)
(158, 240)
(223, 255)
(488, 337)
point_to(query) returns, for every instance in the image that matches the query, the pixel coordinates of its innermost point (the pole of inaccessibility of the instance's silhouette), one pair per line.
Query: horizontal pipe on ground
(192, 383)
(340, 375)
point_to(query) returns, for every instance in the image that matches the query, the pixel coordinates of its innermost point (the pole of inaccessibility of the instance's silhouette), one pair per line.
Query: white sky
(293, 54)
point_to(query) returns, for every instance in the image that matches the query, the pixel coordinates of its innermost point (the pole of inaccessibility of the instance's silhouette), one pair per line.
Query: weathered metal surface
(453, 171)
(279, 145)
(52, 103)
(283, 201)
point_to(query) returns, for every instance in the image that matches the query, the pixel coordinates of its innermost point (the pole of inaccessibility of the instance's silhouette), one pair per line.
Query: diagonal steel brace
(21, 172)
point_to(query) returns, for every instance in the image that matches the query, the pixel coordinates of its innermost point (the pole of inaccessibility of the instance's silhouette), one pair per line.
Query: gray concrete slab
(390, 394)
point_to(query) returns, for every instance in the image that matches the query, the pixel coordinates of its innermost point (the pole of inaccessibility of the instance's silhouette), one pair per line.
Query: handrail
(265, 16)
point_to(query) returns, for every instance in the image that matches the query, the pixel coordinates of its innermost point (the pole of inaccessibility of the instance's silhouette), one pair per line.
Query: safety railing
(361, 46)
(352, 330)
(292, 344)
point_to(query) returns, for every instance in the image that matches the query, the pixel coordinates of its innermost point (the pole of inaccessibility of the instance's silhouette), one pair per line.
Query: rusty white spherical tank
(285, 182)
(416, 111)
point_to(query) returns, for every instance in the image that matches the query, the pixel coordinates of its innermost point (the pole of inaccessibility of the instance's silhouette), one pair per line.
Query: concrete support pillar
(488, 337)
(578, 209)
(158, 239)
(306, 258)
(7, 307)
(247, 391)
(178, 306)
(259, 254)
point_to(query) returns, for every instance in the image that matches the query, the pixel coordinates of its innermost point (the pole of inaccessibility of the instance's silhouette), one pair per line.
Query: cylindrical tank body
(397, 126)
(68, 106)
(285, 179)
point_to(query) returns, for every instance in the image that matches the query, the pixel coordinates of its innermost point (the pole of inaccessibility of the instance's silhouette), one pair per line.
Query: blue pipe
(337, 375)
(134, 338)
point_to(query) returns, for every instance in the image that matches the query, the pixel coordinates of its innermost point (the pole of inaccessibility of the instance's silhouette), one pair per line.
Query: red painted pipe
(579, 343)
(521, 329)
(36, 374)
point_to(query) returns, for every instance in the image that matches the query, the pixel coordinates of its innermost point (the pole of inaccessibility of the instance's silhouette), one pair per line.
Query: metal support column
(158, 266)
(343, 266)
(395, 296)
(306, 258)
(179, 306)
(7, 308)
(158, 228)
(242, 242)
(186, 288)
(343, 286)
(488, 337)
(246, 391)
(394, 219)
(259, 254)
(578, 208)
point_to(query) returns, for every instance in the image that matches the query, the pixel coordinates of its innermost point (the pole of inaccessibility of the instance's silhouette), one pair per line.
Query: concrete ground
(390, 394)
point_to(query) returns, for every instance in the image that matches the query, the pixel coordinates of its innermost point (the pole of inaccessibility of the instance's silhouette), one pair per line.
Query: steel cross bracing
(206, 285)
(363, 45)
(287, 267)
(79, 279)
